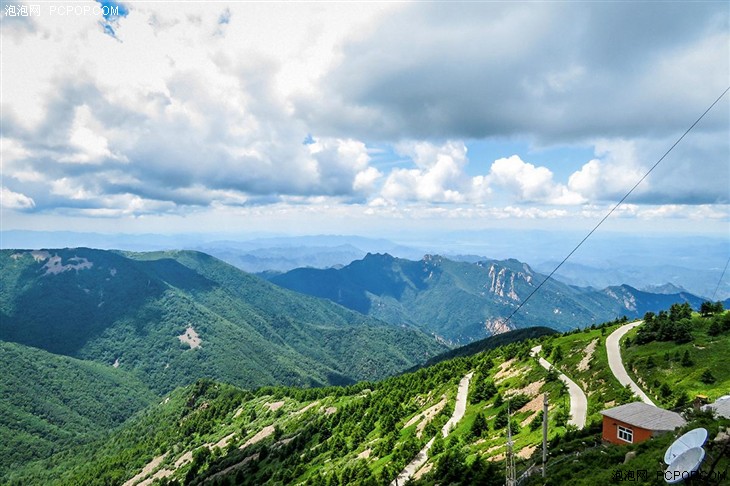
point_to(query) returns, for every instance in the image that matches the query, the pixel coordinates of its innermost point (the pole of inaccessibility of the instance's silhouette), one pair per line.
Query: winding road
(613, 349)
(578, 399)
(422, 456)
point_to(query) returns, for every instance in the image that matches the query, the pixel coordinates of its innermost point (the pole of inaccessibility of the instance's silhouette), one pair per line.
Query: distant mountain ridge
(173, 317)
(463, 301)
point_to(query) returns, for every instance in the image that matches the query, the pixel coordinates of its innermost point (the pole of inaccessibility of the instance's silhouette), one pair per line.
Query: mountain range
(172, 317)
(461, 301)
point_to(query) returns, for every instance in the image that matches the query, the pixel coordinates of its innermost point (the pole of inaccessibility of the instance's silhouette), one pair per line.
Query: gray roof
(646, 416)
(721, 407)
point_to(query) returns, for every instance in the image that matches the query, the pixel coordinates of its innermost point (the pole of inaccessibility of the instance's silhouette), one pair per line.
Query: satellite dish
(693, 438)
(684, 465)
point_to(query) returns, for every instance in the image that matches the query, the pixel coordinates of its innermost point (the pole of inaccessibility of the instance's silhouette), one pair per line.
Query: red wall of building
(610, 432)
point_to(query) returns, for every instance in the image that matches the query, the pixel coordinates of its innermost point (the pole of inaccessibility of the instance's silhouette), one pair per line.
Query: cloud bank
(203, 107)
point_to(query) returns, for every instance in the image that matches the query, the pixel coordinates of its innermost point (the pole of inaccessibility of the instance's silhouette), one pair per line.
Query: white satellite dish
(684, 465)
(693, 438)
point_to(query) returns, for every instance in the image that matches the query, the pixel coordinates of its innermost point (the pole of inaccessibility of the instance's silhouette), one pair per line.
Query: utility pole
(544, 431)
(510, 459)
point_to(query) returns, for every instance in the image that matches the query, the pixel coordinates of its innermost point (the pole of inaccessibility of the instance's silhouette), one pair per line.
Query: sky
(372, 118)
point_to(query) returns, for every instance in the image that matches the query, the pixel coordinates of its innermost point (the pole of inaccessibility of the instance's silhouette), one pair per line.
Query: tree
(483, 390)
(450, 468)
(536, 423)
(500, 421)
(680, 311)
(707, 377)
(479, 426)
(687, 359)
(715, 328)
(708, 308)
(557, 353)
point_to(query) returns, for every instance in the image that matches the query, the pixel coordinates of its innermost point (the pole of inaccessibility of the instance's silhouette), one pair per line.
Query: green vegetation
(674, 371)
(88, 423)
(461, 301)
(360, 434)
(132, 309)
(49, 403)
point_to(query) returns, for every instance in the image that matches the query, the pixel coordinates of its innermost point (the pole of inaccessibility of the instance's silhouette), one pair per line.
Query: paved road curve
(422, 456)
(616, 363)
(578, 400)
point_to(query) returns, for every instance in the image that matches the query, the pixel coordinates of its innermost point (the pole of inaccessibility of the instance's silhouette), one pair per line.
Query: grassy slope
(367, 417)
(48, 402)
(706, 352)
(327, 443)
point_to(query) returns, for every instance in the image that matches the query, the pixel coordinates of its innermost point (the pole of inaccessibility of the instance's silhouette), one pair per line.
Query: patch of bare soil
(423, 471)
(54, 265)
(275, 405)
(184, 459)
(530, 390)
(425, 417)
(587, 355)
(527, 421)
(261, 435)
(330, 410)
(252, 457)
(162, 473)
(365, 454)
(221, 444)
(151, 466)
(308, 407)
(190, 337)
(534, 405)
(506, 371)
(526, 452)
(40, 255)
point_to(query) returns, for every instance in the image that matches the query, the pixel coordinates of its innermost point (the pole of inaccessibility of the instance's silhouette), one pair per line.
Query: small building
(636, 422)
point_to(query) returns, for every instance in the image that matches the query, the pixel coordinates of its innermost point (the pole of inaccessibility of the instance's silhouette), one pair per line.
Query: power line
(616, 207)
(720, 281)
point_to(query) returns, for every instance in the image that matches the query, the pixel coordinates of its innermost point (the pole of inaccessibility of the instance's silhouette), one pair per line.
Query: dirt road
(616, 363)
(578, 399)
(422, 456)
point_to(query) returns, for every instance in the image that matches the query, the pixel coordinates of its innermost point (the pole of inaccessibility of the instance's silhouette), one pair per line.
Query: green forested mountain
(364, 434)
(173, 317)
(462, 301)
(50, 402)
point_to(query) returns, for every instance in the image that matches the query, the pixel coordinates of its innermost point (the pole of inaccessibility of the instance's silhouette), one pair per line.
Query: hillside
(211, 433)
(50, 402)
(463, 301)
(173, 317)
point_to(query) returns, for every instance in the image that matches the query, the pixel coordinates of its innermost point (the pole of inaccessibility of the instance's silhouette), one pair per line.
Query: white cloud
(438, 178)
(530, 183)
(15, 200)
(611, 175)
(181, 113)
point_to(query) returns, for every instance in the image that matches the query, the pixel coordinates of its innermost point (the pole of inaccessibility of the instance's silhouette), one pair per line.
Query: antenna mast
(544, 431)
(510, 459)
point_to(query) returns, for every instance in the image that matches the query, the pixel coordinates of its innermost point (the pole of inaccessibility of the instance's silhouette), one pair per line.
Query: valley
(263, 385)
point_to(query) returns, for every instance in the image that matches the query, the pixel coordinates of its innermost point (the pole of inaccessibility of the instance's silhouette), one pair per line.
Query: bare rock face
(496, 326)
(503, 281)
